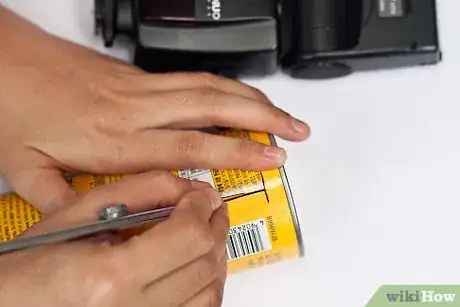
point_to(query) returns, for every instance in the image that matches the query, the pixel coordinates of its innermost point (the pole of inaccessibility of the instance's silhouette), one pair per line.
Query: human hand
(178, 262)
(68, 109)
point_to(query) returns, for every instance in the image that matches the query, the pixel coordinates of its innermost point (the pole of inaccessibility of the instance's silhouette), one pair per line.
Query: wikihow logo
(416, 296)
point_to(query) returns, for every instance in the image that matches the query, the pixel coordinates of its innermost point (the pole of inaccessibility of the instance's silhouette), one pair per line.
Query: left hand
(67, 109)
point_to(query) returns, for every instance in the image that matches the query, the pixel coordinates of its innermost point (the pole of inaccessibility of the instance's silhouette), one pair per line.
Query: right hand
(178, 262)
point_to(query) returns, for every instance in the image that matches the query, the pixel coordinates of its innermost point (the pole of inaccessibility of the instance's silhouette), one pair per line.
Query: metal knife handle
(116, 222)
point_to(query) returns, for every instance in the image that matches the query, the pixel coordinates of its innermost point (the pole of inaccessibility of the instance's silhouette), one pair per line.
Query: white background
(376, 186)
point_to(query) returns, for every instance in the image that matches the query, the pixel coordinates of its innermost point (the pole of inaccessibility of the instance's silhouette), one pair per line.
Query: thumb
(45, 188)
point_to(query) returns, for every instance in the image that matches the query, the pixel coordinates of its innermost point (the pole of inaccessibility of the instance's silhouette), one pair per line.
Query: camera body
(307, 39)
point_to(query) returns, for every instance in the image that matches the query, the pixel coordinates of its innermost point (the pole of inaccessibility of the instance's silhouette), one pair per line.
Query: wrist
(17, 36)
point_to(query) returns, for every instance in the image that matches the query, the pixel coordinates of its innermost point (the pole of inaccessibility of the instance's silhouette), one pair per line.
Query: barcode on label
(248, 239)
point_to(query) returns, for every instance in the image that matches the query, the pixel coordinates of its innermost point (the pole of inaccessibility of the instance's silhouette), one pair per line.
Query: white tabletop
(376, 186)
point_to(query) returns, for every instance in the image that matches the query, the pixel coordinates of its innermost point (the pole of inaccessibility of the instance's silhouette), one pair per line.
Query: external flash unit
(307, 39)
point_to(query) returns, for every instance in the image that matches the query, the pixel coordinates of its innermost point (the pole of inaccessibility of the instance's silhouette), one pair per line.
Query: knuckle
(226, 219)
(108, 92)
(200, 236)
(190, 144)
(246, 151)
(280, 116)
(164, 177)
(259, 95)
(207, 79)
(210, 96)
(272, 116)
(214, 295)
(208, 269)
(245, 147)
(273, 113)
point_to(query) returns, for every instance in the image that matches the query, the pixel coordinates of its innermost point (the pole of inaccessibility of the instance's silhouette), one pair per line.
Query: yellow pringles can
(264, 224)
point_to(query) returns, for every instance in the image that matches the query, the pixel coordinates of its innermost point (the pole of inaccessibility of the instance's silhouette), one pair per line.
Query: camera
(306, 39)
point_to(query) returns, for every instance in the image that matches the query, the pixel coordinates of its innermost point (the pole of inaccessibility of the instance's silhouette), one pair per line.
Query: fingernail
(214, 198)
(275, 153)
(299, 126)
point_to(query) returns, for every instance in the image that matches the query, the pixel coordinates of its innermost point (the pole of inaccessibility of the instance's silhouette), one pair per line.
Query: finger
(211, 296)
(195, 80)
(220, 225)
(210, 108)
(168, 149)
(182, 239)
(44, 187)
(139, 192)
(186, 282)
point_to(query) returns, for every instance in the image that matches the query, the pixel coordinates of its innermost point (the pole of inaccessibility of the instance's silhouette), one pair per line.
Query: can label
(263, 222)
(16, 215)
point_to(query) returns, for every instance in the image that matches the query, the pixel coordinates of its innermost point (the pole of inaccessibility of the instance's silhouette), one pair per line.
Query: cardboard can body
(263, 222)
